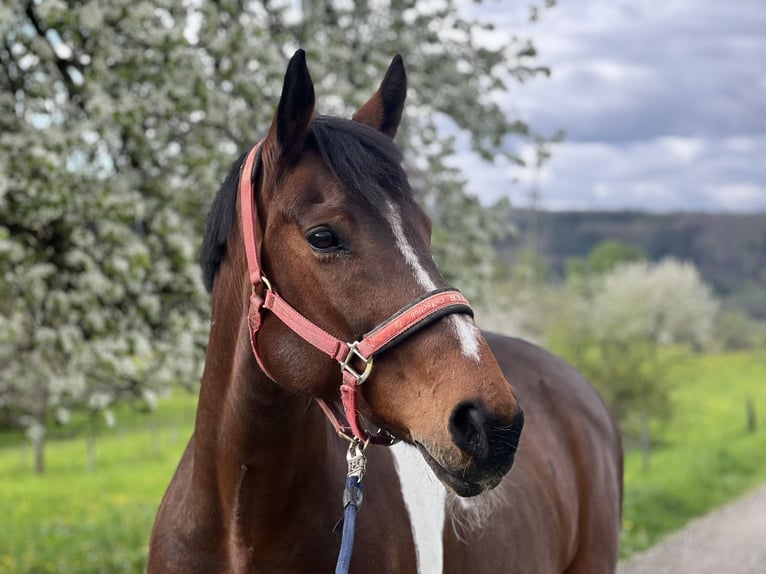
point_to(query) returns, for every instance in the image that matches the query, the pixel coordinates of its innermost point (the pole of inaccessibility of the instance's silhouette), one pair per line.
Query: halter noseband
(355, 358)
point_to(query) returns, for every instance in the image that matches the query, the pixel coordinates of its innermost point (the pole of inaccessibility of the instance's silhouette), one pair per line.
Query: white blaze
(468, 334)
(425, 280)
(464, 328)
(424, 496)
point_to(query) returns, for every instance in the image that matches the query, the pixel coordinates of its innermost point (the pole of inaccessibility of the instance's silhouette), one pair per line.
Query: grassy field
(70, 520)
(74, 521)
(704, 456)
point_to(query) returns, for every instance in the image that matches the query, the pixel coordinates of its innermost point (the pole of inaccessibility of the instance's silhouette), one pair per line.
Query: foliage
(604, 257)
(630, 375)
(621, 327)
(520, 303)
(728, 249)
(750, 297)
(735, 331)
(524, 301)
(704, 455)
(612, 327)
(119, 118)
(103, 294)
(665, 303)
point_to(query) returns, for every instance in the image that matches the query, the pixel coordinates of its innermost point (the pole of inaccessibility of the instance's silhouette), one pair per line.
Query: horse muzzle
(488, 449)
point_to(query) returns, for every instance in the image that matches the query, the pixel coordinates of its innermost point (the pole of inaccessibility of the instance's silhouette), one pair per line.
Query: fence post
(752, 422)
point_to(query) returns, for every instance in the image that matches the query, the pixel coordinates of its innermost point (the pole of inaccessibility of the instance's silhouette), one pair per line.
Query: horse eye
(323, 239)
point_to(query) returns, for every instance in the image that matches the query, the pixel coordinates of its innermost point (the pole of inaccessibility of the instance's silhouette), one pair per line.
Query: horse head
(345, 243)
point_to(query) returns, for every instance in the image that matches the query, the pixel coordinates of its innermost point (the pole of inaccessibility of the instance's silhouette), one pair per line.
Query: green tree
(119, 118)
(604, 257)
(736, 331)
(624, 328)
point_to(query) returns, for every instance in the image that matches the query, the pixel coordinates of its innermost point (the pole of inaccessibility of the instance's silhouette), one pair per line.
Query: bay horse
(315, 239)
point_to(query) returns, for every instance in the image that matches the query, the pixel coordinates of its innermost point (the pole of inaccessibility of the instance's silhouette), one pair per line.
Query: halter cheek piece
(356, 358)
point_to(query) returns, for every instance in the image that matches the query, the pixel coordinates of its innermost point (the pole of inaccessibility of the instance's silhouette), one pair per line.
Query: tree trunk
(39, 444)
(36, 433)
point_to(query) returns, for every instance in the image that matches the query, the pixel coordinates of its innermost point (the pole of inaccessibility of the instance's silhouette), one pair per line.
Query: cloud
(662, 102)
(663, 174)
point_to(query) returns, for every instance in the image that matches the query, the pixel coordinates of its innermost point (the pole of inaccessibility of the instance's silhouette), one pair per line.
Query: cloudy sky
(663, 103)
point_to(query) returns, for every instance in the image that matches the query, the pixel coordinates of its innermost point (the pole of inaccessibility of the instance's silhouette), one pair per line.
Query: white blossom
(109, 419)
(63, 416)
(99, 401)
(150, 398)
(666, 302)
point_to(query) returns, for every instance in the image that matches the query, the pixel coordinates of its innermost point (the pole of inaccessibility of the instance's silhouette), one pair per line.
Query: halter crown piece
(356, 358)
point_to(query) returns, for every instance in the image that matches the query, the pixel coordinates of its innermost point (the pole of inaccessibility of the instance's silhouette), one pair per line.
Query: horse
(315, 239)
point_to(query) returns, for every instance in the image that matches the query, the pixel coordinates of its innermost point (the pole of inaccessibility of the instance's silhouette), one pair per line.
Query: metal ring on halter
(346, 364)
(354, 440)
(265, 281)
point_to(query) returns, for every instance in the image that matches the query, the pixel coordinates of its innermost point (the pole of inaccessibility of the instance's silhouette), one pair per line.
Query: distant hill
(728, 249)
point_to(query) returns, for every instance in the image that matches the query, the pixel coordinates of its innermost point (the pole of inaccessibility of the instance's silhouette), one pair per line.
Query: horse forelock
(365, 161)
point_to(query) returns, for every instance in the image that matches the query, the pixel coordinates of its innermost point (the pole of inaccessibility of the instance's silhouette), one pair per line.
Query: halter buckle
(345, 365)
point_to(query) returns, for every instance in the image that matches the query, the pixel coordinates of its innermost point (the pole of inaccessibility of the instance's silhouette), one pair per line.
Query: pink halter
(399, 326)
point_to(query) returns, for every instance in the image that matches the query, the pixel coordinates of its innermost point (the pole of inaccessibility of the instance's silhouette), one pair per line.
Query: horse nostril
(468, 426)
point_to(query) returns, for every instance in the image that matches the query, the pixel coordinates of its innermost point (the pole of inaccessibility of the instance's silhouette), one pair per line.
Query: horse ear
(383, 110)
(290, 126)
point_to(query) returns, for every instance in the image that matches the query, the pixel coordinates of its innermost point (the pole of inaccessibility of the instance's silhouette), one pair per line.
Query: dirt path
(731, 540)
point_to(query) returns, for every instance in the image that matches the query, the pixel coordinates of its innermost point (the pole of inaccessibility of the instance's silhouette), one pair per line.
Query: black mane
(365, 160)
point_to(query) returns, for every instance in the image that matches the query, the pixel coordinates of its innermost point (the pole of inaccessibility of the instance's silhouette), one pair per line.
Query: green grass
(72, 520)
(704, 456)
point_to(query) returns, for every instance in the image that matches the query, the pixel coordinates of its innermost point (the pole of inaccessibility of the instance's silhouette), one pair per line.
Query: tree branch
(61, 64)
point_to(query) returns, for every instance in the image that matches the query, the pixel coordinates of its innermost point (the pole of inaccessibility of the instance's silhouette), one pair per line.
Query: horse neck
(252, 438)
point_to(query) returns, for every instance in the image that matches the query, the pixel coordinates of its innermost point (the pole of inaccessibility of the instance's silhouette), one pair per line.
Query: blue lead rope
(352, 500)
